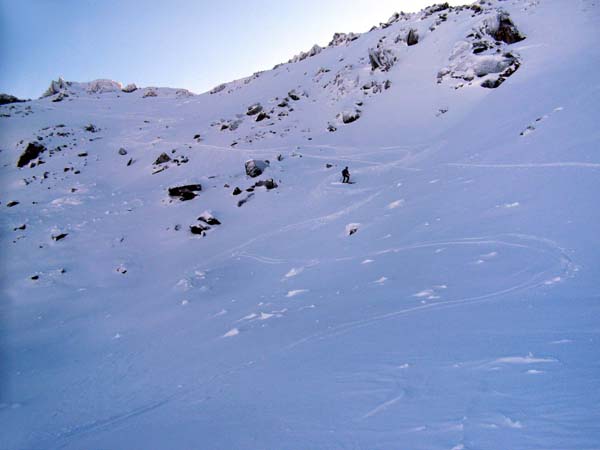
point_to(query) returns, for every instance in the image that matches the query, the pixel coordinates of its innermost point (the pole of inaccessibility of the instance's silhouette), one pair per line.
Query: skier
(345, 175)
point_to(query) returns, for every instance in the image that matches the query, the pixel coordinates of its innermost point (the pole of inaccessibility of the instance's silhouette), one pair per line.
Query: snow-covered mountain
(155, 295)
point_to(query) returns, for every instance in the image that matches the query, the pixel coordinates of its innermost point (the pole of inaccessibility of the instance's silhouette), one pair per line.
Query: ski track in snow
(530, 165)
(383, 406)
(551, 249)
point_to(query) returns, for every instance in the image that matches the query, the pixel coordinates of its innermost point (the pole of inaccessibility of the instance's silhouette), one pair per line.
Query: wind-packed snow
(448, 299)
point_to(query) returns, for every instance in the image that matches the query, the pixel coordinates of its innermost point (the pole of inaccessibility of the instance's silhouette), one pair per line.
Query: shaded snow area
(158, 292)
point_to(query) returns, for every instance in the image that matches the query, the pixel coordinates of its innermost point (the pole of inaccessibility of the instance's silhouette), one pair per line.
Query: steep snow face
(320, 91)
(155, 295)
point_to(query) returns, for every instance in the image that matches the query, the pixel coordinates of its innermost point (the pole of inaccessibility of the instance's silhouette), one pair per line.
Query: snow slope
(462, 313)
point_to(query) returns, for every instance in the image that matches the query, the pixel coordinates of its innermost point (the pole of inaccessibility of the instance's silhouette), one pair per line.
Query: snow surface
(463, 313)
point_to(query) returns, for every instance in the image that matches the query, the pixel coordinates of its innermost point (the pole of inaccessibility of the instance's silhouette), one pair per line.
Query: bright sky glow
(179, 43)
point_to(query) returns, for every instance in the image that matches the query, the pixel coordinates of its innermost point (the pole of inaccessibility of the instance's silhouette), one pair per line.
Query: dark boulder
(412, 38)
(163, 158)
(236, 191)
(269, 184)
(350, 116)
(122, 151)
(11, 204)
(33, 150)
(262, 116)
(58, 237)
(187, 192)
(506, 31)
(294, 95)
(199, 229)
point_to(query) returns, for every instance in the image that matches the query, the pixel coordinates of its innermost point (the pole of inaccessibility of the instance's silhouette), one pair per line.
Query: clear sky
(176, 43)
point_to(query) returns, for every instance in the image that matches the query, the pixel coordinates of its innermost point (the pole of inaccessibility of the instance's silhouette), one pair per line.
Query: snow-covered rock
(255, 167)
(99, 86)
(130, 88)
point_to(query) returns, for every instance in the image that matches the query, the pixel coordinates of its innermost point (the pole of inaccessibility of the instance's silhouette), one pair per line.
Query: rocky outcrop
(6, 99)
(479, 57)
(219, 88)
(315, 50)
(435, 9)
(343, 38)
(392, 20)
(255, 167)
(31, 152)
(100, 86)
(55, 87)
(381, 58)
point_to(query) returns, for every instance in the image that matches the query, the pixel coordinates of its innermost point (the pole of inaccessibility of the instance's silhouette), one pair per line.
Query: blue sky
(188, 44)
